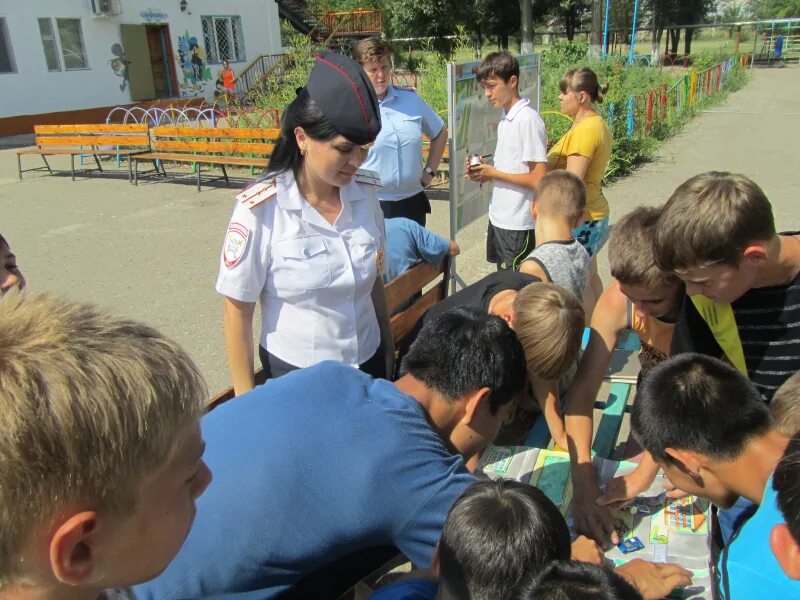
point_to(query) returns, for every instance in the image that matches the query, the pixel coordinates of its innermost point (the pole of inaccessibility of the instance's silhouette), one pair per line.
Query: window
(223, 38)
(49, 44)
(72, 48)
(6, 54)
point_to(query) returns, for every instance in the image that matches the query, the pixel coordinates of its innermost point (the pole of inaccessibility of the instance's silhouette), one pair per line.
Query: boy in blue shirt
(326, 462)
(785, 537)
(707, 426)
(408, 242)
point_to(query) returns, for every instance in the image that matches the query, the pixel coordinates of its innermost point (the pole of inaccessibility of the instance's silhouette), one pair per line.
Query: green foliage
(775, 9)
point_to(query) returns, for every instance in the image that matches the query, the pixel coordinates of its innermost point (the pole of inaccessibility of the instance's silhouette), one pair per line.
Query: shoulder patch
(368, 177)
(235, 244)
(257, 193)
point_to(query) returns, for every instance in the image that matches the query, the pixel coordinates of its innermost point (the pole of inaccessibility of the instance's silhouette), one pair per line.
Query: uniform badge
(380, 260)
(257, 193)
(368, 177)
(235, 244)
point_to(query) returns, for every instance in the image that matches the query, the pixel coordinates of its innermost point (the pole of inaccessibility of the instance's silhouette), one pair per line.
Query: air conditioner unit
(105, 8)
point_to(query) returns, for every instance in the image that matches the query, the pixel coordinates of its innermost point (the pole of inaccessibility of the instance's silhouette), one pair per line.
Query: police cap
(344, 94)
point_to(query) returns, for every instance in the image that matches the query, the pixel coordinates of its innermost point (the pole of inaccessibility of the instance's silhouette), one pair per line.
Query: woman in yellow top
(585, 150)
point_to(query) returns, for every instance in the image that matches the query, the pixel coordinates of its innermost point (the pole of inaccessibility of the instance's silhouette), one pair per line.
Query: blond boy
(100, 450)
(785, 406)
(642, 298)
(557, 209)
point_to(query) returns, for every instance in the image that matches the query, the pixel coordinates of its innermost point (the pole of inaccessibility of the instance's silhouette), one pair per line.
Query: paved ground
(151, 252)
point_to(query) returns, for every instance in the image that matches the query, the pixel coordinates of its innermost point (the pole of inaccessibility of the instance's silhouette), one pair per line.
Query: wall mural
(119, 64)
(192, 59)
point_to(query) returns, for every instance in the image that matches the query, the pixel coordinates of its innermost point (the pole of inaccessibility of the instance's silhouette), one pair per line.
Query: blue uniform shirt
(408, 589)
(748, 568)
(408, 242)
(397, 152)
(309, 468)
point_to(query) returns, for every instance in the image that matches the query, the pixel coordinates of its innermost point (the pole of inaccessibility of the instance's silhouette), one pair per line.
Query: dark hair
(495, 533)
(498, 64)
(465, 349)
(786, 483)
(711, 218)
(572, 580)
(698, 403)
(583, 80)
(3, 241)
(301, 112)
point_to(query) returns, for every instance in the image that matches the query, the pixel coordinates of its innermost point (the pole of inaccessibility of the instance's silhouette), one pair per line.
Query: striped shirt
(768, 320)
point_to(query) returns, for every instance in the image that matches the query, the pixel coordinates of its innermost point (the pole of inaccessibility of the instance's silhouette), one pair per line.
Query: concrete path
(151, 252)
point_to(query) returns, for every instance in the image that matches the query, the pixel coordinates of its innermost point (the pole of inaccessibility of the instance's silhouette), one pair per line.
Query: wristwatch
(429, 171)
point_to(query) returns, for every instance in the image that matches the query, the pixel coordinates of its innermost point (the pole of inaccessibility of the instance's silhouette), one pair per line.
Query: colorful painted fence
(663, 105)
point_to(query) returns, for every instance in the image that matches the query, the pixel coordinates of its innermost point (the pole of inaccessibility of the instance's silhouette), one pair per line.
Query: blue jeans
(731, 519)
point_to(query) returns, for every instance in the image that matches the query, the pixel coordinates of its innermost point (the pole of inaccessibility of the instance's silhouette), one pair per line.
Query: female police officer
(308, 239)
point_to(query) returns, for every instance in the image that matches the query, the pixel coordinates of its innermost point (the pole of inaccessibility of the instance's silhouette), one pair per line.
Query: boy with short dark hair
(520, 161)
(100, 450)
(785, 537)
(556, 209)
(330, 466)
(497, 533)
(707, 426)
(567, 580)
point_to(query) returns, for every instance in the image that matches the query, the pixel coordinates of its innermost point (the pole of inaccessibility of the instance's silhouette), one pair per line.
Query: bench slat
(404, 322)
(92, 128)
(405, 285)
(205, 159)
(206, 147)
(608, 429)
(216, 132)
(92, 140)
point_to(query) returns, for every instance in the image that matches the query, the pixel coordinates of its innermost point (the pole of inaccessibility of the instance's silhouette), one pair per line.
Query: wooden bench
(398, 291)
(78, 140)
(223, 146)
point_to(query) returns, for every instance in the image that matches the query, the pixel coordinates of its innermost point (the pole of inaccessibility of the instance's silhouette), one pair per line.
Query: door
(140, 70)
(161, 62)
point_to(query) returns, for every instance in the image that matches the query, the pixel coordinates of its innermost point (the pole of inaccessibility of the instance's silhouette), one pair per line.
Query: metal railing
(258, 70)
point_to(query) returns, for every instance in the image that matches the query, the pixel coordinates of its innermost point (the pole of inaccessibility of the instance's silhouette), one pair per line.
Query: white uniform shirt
(314, 279)
(521, 139)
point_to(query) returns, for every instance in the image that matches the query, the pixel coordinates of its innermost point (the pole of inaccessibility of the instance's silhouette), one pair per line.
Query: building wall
(32, 89)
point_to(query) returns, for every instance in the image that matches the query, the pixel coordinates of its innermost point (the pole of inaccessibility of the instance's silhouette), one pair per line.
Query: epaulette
(258, 193)
(368, 177)
(405, 88)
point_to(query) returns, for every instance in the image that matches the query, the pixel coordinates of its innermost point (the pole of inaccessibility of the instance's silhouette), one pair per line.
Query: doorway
(151, 67)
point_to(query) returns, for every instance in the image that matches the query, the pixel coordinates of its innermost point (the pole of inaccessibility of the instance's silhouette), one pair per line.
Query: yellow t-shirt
(590, 138)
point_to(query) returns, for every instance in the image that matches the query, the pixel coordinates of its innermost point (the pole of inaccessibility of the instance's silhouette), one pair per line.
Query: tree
(426, 18)
(775, 9)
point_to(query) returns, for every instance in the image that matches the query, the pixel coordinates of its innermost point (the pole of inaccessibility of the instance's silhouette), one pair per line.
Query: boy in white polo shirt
(520, 161)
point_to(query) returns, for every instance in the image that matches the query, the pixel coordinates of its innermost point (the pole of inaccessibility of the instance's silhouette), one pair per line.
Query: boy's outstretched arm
(484, 172)
(608, 320)
(546, 393)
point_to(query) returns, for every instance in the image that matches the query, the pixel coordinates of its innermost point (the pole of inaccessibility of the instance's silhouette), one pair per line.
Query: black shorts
(275, 367)
(414, 208)
(507, 248)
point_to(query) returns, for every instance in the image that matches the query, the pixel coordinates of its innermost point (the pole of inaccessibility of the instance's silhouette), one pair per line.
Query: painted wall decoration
(192, 59)
(119, 64)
